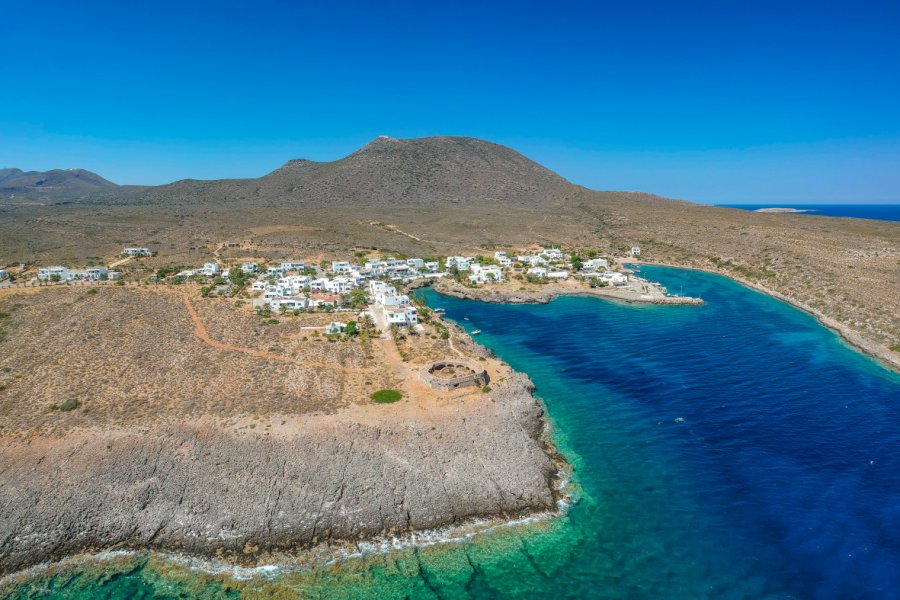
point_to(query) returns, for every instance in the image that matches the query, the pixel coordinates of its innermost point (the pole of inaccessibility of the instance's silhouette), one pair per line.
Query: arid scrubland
(130, 358)
(439, 196)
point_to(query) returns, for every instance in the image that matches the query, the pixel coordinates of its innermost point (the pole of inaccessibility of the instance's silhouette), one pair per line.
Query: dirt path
(200, 332)
(121, 261)
(394, 229)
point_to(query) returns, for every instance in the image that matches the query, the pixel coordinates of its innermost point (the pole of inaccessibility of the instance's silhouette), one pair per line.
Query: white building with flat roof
(137, 252)
(406, 316)
(55, 272)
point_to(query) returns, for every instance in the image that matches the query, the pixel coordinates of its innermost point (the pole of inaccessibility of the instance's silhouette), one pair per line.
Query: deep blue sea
(732, 450)
(881, 212)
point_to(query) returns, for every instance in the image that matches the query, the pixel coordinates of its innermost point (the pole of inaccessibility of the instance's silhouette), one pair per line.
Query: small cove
(735, 449)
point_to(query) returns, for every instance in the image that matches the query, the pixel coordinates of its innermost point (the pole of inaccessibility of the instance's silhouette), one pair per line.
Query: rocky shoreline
(549, 292)
(316, 480)
(852, 337)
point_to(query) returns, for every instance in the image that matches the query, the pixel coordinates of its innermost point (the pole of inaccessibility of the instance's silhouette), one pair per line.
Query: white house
(537, 271)
(432, 266)
(137, 252)
(558, 275)
(49, 273)
(532, 259)
(3, 274)
(95, 273)
(460, 262)
(635, 251)
(288, 303)
(392, 299)
(340, 266)
(553, 254)
(292, 266)
(402, 317)
(211, 269)
(485, 274)
(415, 263)
(340, 285)
(378, 287)
(335, 327)
(595, 264)
(614, 278)
(250, 268)
(318, 301)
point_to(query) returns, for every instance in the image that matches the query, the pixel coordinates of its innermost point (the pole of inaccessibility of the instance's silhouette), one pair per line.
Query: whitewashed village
(375, 289)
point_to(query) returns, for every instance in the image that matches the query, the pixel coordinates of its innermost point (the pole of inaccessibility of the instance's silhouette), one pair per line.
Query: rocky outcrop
(200, 488)
(549, 292)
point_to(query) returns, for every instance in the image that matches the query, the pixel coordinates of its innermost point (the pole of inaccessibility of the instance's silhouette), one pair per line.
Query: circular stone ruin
(447, 375)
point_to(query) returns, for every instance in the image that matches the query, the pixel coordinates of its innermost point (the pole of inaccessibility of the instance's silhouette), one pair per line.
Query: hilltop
(387, 171)
(57, 183)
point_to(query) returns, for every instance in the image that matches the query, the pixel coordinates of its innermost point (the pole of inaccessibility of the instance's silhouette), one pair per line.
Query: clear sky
(725, 101)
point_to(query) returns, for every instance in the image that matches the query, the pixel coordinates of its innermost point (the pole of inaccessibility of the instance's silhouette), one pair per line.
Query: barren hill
(386, 171)
(57, 183)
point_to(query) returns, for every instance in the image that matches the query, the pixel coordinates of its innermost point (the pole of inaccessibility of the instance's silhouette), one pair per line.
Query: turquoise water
(731, 450)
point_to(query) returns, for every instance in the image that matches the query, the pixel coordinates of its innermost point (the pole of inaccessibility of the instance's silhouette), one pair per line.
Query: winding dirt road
(200, 332)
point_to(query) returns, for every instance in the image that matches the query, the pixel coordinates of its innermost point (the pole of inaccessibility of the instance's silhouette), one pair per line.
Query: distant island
(783, 210)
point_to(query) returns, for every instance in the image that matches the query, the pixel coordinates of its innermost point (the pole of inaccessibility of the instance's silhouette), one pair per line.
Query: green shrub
(386, 396)
(486, 389)
(70, 404)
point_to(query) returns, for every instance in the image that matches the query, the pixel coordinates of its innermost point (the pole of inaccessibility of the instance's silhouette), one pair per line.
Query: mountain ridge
(56, 183)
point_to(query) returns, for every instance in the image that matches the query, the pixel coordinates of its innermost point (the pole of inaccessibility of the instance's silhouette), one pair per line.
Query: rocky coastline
(318, 479)
(548, 292)
(883, 355)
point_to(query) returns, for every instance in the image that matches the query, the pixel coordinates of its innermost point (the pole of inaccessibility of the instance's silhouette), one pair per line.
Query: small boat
(465, 318)
(476, 332)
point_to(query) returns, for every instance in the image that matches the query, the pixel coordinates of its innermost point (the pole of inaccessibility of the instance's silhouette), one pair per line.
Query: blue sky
(709, 101)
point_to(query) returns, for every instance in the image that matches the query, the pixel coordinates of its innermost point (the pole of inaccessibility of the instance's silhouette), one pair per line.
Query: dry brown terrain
(439, 196)
(200, 426)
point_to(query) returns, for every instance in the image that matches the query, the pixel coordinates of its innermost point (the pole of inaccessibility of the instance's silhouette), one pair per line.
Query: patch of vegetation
(70, 404)
(486, 389)
(895, 348)
(386, 396)
(91, 292)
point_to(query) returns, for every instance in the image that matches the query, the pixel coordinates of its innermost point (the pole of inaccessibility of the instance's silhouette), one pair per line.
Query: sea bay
(735, 449)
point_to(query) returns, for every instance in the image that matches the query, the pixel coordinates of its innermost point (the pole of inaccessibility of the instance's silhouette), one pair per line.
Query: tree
(54, 278)
(357, 298)
(351, 329)
(577, 263)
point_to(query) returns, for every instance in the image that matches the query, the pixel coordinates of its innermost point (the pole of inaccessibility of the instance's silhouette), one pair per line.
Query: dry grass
(131, 358)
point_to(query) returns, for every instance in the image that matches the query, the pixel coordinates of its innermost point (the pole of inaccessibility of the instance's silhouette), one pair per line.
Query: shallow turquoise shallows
(732, 450)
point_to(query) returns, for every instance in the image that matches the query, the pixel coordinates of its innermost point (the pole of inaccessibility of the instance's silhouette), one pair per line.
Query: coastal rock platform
(315, 479)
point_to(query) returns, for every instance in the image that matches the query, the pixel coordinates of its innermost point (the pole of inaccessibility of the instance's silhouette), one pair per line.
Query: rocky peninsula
(639, 291)
(178, 470)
